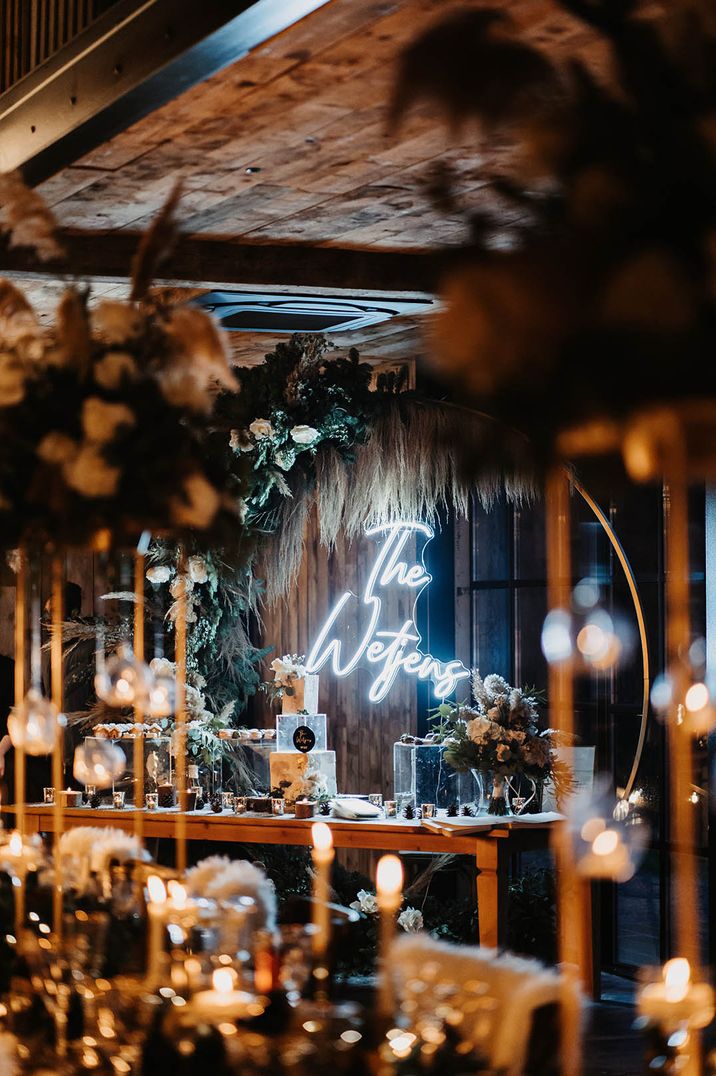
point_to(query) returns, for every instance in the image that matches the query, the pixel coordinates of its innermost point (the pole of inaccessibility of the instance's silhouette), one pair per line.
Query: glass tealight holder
(118, 800)
(376, 798)
(427, 810)
(227, 801)
(240, 804)
(151, 801)
(278, 805)
(48, 796)
(391, 808)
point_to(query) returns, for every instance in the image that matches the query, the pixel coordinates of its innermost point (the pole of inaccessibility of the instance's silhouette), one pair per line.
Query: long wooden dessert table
(491, 847)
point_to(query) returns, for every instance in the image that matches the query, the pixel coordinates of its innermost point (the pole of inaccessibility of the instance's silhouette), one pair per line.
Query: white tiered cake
(309, 773)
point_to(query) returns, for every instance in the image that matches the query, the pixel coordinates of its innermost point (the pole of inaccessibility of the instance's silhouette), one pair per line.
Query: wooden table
(491, 848)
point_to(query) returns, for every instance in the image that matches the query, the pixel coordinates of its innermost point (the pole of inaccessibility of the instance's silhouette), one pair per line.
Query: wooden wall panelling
(362, 734)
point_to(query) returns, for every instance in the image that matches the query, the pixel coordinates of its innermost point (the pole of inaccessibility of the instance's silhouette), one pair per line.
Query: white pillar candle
(389, 894)
(223, 1002)
(156, 924)
(676, 1001)
(322, 856)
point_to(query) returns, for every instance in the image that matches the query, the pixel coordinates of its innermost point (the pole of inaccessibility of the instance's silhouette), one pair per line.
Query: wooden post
(138, 703)
(20, 783)
(571, 923)
(680, 761)
(57, 614)
(180, 712)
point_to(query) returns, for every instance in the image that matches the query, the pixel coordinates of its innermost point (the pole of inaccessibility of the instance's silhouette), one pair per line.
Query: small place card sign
(304, 739)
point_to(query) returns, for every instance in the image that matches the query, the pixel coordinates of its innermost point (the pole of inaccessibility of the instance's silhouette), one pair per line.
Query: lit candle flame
(223, 980)
(677, 976)
(321, 836)
(605, 843)
(389, 876)
(156, 889)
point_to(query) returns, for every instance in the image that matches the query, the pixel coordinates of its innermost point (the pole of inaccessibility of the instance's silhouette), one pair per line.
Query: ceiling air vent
(273, 312)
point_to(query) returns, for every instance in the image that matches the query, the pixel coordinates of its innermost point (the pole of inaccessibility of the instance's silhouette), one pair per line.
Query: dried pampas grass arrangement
(421, 457)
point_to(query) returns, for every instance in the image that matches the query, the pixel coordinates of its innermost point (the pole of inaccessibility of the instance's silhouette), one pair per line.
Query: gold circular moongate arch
(641, 624)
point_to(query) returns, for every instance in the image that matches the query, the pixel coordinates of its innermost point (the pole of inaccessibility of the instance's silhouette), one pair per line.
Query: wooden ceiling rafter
(124, 65)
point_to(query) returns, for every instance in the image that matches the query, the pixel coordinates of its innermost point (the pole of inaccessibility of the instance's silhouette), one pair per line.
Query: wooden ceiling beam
(222, 263)
(131, 60)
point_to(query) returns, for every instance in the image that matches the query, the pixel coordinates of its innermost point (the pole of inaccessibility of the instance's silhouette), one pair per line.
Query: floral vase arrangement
(293, 685)
(498, 734)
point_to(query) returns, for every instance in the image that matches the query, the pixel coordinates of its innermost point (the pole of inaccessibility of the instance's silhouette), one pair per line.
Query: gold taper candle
(138, 642)
(322, 855)
(389, 894)
(20, 627)
(57, 614)
(156, 924)
(180, 711)
(572, 936)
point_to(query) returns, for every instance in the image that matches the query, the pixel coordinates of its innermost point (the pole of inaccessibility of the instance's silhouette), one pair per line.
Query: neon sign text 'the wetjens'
(390, 650)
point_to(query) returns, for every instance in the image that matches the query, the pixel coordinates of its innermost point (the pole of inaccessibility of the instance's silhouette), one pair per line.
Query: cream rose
(197, 570)
(160, 573)
(91, 475)
(304, 435)
(101, 420)
(411, 920)
(113, 368)
(260, 428)
(56, 447)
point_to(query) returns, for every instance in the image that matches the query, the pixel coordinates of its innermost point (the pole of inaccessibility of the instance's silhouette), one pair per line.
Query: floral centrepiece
(499, 733)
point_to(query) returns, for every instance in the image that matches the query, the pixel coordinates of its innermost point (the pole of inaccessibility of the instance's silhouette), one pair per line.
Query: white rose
(304, 435)
(12, 381)
(91, 475)
(199, 504)
(197, 570)
(162, 667)
(411, 920)
(260, 428)
(159, 574)
(101, 420)
(56, 447)
(365, 902)
(113, 368)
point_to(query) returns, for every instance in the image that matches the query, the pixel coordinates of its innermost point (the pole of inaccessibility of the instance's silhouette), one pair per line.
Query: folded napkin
(354, 809)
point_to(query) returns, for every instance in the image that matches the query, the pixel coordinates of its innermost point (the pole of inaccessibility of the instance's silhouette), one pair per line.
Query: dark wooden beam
(130, 61)
(219, 263)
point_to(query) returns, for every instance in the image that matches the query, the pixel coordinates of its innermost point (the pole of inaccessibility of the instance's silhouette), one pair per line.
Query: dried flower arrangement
(499, 733)
(104, 419)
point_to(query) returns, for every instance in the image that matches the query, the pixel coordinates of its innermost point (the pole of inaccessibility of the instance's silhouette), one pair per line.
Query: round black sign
(304, 739)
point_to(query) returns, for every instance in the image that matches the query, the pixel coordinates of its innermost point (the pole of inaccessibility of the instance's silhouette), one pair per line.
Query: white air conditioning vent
(273, 312)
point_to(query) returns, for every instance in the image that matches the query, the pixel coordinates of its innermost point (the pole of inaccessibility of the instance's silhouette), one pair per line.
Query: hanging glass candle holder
(162, 696)
(608, 843)
(34, 723)
(98, 762)
(586, 635)
(123, 680)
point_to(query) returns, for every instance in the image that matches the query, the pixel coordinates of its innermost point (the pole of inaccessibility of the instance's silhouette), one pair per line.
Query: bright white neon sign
(391, 650)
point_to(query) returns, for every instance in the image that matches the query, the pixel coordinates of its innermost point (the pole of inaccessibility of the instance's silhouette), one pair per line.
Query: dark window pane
(638, 915)
(492, 632)
(491, 543)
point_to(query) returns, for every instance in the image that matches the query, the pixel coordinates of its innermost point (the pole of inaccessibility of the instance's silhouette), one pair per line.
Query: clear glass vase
(481, 785)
